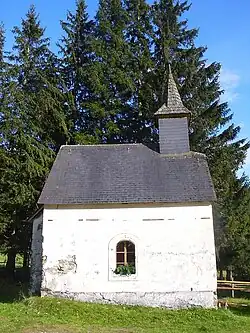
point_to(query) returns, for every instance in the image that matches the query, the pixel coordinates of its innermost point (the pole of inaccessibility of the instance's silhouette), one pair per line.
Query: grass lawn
(47, 315)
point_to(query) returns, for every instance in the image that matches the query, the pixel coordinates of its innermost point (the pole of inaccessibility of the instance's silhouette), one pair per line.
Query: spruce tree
(112, 84)
(111, 78)
(137, 122)
(211, 128)
(32, 127)
(152, 38)
(233, 236)
(35, 68)
(3, 101)
(2, 39)
(76, 52)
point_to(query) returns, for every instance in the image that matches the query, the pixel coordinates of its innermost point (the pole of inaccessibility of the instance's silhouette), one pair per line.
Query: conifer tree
(211, 128)
(2, 39)
(233, 236)
(3, 159)
(35, 69)
(32, 127)
(156, 37)
(138, 34)
(77, 54)
(110, 80)
(112, 84)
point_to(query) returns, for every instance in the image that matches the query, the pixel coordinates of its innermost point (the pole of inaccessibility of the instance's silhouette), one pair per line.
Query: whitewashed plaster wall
(175, 254)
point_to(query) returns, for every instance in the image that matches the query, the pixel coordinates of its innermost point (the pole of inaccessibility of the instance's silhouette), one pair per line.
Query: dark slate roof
(174, 105)
(126, 173)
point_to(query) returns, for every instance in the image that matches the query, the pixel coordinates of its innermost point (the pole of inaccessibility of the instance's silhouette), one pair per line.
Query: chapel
(125, 224)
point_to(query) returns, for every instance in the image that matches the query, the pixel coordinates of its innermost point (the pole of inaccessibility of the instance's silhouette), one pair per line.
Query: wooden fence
(243, 286)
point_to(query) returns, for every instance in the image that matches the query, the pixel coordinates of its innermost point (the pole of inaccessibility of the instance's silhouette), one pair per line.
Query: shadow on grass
(13, 289)
(240, 309)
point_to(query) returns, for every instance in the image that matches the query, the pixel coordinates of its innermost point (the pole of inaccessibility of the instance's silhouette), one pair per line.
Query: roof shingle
(126, 173)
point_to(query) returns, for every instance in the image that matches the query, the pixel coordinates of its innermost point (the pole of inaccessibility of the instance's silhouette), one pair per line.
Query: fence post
(232, 285)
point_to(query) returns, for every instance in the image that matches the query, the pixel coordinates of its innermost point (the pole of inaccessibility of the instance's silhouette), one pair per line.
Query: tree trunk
(25, 260)
(11, 263)
(221, 275)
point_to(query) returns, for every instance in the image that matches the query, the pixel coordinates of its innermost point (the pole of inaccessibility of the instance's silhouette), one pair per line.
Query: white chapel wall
(174, 249)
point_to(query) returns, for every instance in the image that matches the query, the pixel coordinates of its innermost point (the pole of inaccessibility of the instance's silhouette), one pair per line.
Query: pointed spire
(174, 105)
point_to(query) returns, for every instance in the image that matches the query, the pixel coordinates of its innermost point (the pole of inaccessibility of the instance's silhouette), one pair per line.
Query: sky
(224, 27)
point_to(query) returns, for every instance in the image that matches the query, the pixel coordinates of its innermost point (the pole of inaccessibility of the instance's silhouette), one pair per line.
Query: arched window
(125, 258)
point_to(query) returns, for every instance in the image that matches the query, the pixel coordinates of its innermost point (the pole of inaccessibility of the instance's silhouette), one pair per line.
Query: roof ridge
(104, 145)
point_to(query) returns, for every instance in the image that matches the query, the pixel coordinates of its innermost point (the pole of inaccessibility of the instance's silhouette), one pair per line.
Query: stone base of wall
(174, 300)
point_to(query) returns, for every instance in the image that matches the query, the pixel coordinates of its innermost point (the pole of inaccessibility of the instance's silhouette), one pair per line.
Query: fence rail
(233, 282)
(243, 286)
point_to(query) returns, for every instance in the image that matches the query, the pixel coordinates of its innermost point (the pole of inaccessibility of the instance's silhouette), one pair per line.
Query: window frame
(126, 251)
(112, 257)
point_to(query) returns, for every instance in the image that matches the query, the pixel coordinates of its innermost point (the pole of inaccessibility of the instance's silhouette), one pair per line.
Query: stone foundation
(173, 300)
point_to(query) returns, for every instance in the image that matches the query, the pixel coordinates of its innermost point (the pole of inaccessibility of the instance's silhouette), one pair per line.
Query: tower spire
(173, 105)
(173, 121)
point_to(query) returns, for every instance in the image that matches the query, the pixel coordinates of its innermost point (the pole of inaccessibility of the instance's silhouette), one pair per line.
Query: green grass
(40, 315)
